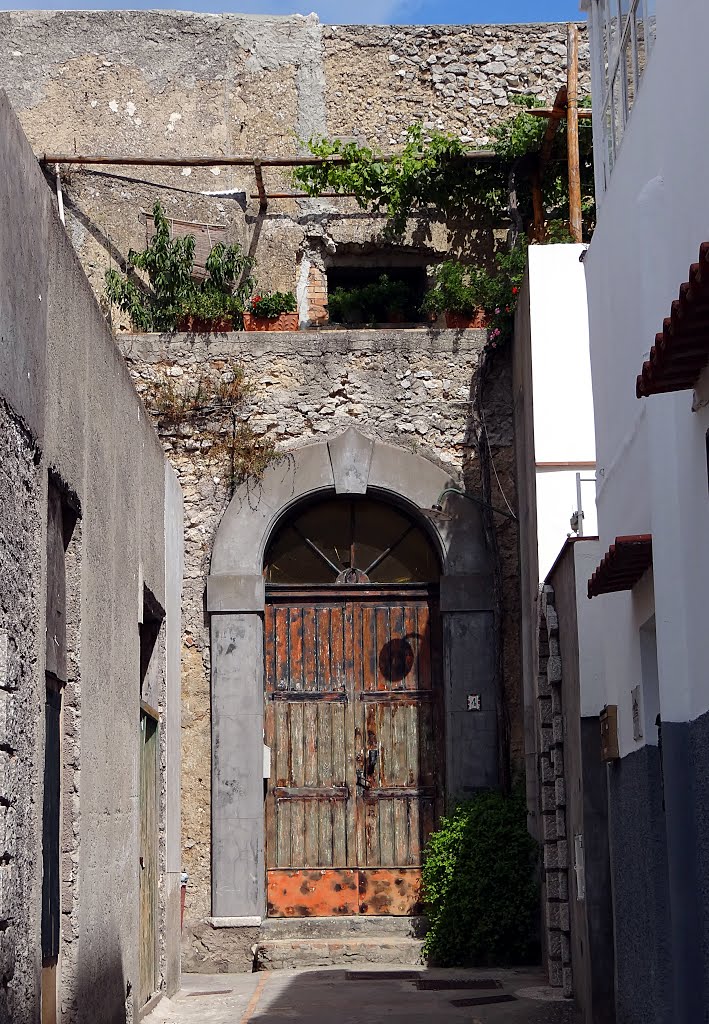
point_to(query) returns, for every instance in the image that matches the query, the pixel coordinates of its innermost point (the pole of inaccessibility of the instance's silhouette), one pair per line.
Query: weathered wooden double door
(353, 719)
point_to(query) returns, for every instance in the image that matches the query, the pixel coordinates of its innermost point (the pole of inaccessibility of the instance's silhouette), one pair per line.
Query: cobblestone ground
(338, 996)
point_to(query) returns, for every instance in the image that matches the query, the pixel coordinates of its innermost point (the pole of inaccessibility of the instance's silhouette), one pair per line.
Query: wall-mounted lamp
(438, 515)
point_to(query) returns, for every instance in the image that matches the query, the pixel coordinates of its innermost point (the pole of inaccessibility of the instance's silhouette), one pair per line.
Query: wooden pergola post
(572, 135)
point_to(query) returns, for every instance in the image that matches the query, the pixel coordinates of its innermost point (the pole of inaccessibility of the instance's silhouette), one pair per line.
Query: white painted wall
(651, 453)
(562, 395)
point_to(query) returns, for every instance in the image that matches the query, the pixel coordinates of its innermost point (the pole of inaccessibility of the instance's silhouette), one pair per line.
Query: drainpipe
(184, 879)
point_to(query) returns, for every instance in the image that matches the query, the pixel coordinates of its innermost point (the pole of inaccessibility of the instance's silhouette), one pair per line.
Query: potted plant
(271, 311)
(171, 298)
(457, 294)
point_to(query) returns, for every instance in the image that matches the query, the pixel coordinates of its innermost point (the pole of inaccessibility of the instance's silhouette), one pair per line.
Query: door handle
(361, 780)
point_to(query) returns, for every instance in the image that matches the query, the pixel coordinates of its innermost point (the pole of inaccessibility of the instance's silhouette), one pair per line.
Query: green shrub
(479, 884)
(456, 289)
(171, 293)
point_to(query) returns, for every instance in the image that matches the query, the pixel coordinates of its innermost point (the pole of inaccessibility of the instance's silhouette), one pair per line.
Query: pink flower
(515, 290)
(497, 310)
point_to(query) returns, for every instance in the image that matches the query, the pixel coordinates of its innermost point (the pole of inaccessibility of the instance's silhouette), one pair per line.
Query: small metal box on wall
(609, 733)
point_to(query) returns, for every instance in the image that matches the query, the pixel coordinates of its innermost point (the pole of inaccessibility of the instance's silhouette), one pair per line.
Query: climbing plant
(431, 172)
(478, 883)
(210, 414)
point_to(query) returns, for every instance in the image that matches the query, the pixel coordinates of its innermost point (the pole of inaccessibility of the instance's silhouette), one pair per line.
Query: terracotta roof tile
(681, 351)
(622, 565)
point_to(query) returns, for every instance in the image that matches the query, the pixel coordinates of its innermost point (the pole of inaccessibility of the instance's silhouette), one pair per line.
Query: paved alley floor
(340, 996)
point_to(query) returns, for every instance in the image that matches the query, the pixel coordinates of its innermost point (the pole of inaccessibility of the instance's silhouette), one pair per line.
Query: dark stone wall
(640, 890)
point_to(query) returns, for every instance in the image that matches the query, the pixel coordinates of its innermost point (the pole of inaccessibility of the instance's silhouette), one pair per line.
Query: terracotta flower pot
(284, 322)
(197, 325)
(461, 321)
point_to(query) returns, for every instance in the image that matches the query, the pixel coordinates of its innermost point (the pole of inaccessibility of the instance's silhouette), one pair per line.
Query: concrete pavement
(339, 996)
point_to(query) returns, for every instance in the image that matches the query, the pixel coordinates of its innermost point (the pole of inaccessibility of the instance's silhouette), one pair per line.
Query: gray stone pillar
(238, 870)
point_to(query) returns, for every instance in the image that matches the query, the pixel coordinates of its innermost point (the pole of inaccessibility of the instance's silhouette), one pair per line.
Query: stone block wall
(411, 388)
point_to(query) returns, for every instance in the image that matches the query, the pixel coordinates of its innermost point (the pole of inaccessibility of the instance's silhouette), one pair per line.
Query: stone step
(284, 954)
(342, 927)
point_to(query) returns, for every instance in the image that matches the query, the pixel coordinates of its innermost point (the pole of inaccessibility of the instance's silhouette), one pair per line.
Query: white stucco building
(651, 443)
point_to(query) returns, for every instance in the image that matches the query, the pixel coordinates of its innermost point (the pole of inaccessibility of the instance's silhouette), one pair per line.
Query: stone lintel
(351, 458)
(235, 593)
(472, 593)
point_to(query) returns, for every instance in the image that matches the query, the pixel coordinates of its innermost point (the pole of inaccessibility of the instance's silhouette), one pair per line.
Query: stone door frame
(349, 463)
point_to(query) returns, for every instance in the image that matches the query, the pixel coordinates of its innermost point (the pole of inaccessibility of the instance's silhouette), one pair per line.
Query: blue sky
(399, 12)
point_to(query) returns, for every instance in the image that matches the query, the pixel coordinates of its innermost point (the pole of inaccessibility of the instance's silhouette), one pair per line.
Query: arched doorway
(353, 708)
(349, 466)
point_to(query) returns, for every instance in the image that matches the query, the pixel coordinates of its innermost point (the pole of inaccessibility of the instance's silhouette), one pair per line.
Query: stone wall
(20, 559)
(412, 388)
(173, 84)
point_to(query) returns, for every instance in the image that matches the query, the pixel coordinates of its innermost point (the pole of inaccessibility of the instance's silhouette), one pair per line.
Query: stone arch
(349, 463)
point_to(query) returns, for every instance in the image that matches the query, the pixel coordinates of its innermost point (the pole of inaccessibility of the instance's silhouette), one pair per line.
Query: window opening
(375, 294)
(350, 541)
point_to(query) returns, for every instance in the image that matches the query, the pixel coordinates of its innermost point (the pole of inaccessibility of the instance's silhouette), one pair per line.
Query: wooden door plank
(337, 648)
(269, 636)
(340, 775)
(412, 637)
(282, 674)
(310, 650)
(424, 659)
(415, 846)
(297, 779)
(269, 739)
(283, 833)
(370, 813)
(368, 647)
(381, 713)
(323, 726)
(295, 649)
(413, 772)
(397, 647)
(322, 650)
(381, 652)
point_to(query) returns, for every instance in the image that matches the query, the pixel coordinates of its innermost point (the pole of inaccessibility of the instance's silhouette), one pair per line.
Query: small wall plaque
(474, 702)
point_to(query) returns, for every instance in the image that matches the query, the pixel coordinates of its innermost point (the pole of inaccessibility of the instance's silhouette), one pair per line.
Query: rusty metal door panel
(394, 892)
(326, 893)
(353, 719)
